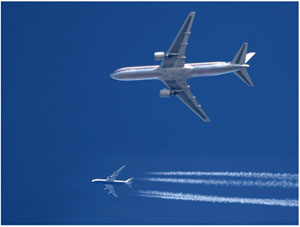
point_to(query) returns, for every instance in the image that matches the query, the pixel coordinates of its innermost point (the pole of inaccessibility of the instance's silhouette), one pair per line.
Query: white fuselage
(105, 181)
(188, 71)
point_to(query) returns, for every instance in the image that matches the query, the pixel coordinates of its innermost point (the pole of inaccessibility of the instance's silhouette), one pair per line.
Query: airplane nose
(112, 76)
(116, 76)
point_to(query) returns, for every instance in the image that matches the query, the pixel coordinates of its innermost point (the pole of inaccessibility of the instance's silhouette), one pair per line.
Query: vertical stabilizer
(249, 56)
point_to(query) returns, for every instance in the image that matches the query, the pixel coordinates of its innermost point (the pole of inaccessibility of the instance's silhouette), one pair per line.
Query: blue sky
(65, 121)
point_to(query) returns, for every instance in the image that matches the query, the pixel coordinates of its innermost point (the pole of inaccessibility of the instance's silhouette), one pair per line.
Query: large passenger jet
(174, 72)
(111, 180)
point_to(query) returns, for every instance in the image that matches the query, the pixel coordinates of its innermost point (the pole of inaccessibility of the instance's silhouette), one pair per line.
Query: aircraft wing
(183, 92)
(176, 54)
(115, 174)
(111, 190)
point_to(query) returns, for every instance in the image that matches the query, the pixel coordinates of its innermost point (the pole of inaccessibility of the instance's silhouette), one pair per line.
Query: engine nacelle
(159, 56)
(164, 93)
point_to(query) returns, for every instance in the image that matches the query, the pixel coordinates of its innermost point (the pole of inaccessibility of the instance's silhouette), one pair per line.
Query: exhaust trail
(239, 183)
(217, 199)
(279, 176)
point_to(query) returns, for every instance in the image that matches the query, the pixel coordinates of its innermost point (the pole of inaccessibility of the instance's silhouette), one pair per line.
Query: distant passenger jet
(174, 72)
(109, 181)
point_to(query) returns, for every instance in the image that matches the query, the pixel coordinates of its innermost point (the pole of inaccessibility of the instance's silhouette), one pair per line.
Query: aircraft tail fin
(129, 182)
(242, 57)
(249, 56)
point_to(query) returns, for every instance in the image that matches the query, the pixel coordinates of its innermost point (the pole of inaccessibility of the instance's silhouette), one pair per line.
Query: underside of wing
(183, 92)
(111, 190)
(115, 174)
(175, 57)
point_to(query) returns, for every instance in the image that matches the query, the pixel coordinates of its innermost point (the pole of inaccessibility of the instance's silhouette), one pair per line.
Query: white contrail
(246, 183)
(218, 199)
(280, 176)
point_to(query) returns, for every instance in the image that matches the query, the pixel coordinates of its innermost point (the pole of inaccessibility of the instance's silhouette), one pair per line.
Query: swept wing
(115, 174)
(175, 56)
(110, 189)
(183, 92)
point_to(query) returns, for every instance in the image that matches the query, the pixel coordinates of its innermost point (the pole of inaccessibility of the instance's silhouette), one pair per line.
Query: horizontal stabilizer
(244, 76)
(240, 57)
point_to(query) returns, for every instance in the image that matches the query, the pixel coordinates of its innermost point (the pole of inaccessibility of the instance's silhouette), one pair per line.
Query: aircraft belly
(175, 73)
(212, 71)
(138, 75)
(116, 182)
(110, 182)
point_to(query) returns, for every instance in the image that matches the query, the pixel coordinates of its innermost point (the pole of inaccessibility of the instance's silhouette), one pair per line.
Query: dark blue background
(65, 121)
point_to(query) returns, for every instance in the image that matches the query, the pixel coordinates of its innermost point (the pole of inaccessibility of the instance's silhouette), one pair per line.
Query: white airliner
(110, 180)
(174, 72)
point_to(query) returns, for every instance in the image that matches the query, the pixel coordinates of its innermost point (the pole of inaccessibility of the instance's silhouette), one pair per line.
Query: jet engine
(159, 56)
(164, 93)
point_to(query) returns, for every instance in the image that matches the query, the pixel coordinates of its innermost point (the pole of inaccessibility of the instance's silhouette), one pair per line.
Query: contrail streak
(280, 176)
(246, 183)
(217, 199)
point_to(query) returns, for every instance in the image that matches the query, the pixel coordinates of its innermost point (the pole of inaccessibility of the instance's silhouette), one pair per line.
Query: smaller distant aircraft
(110, 180)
